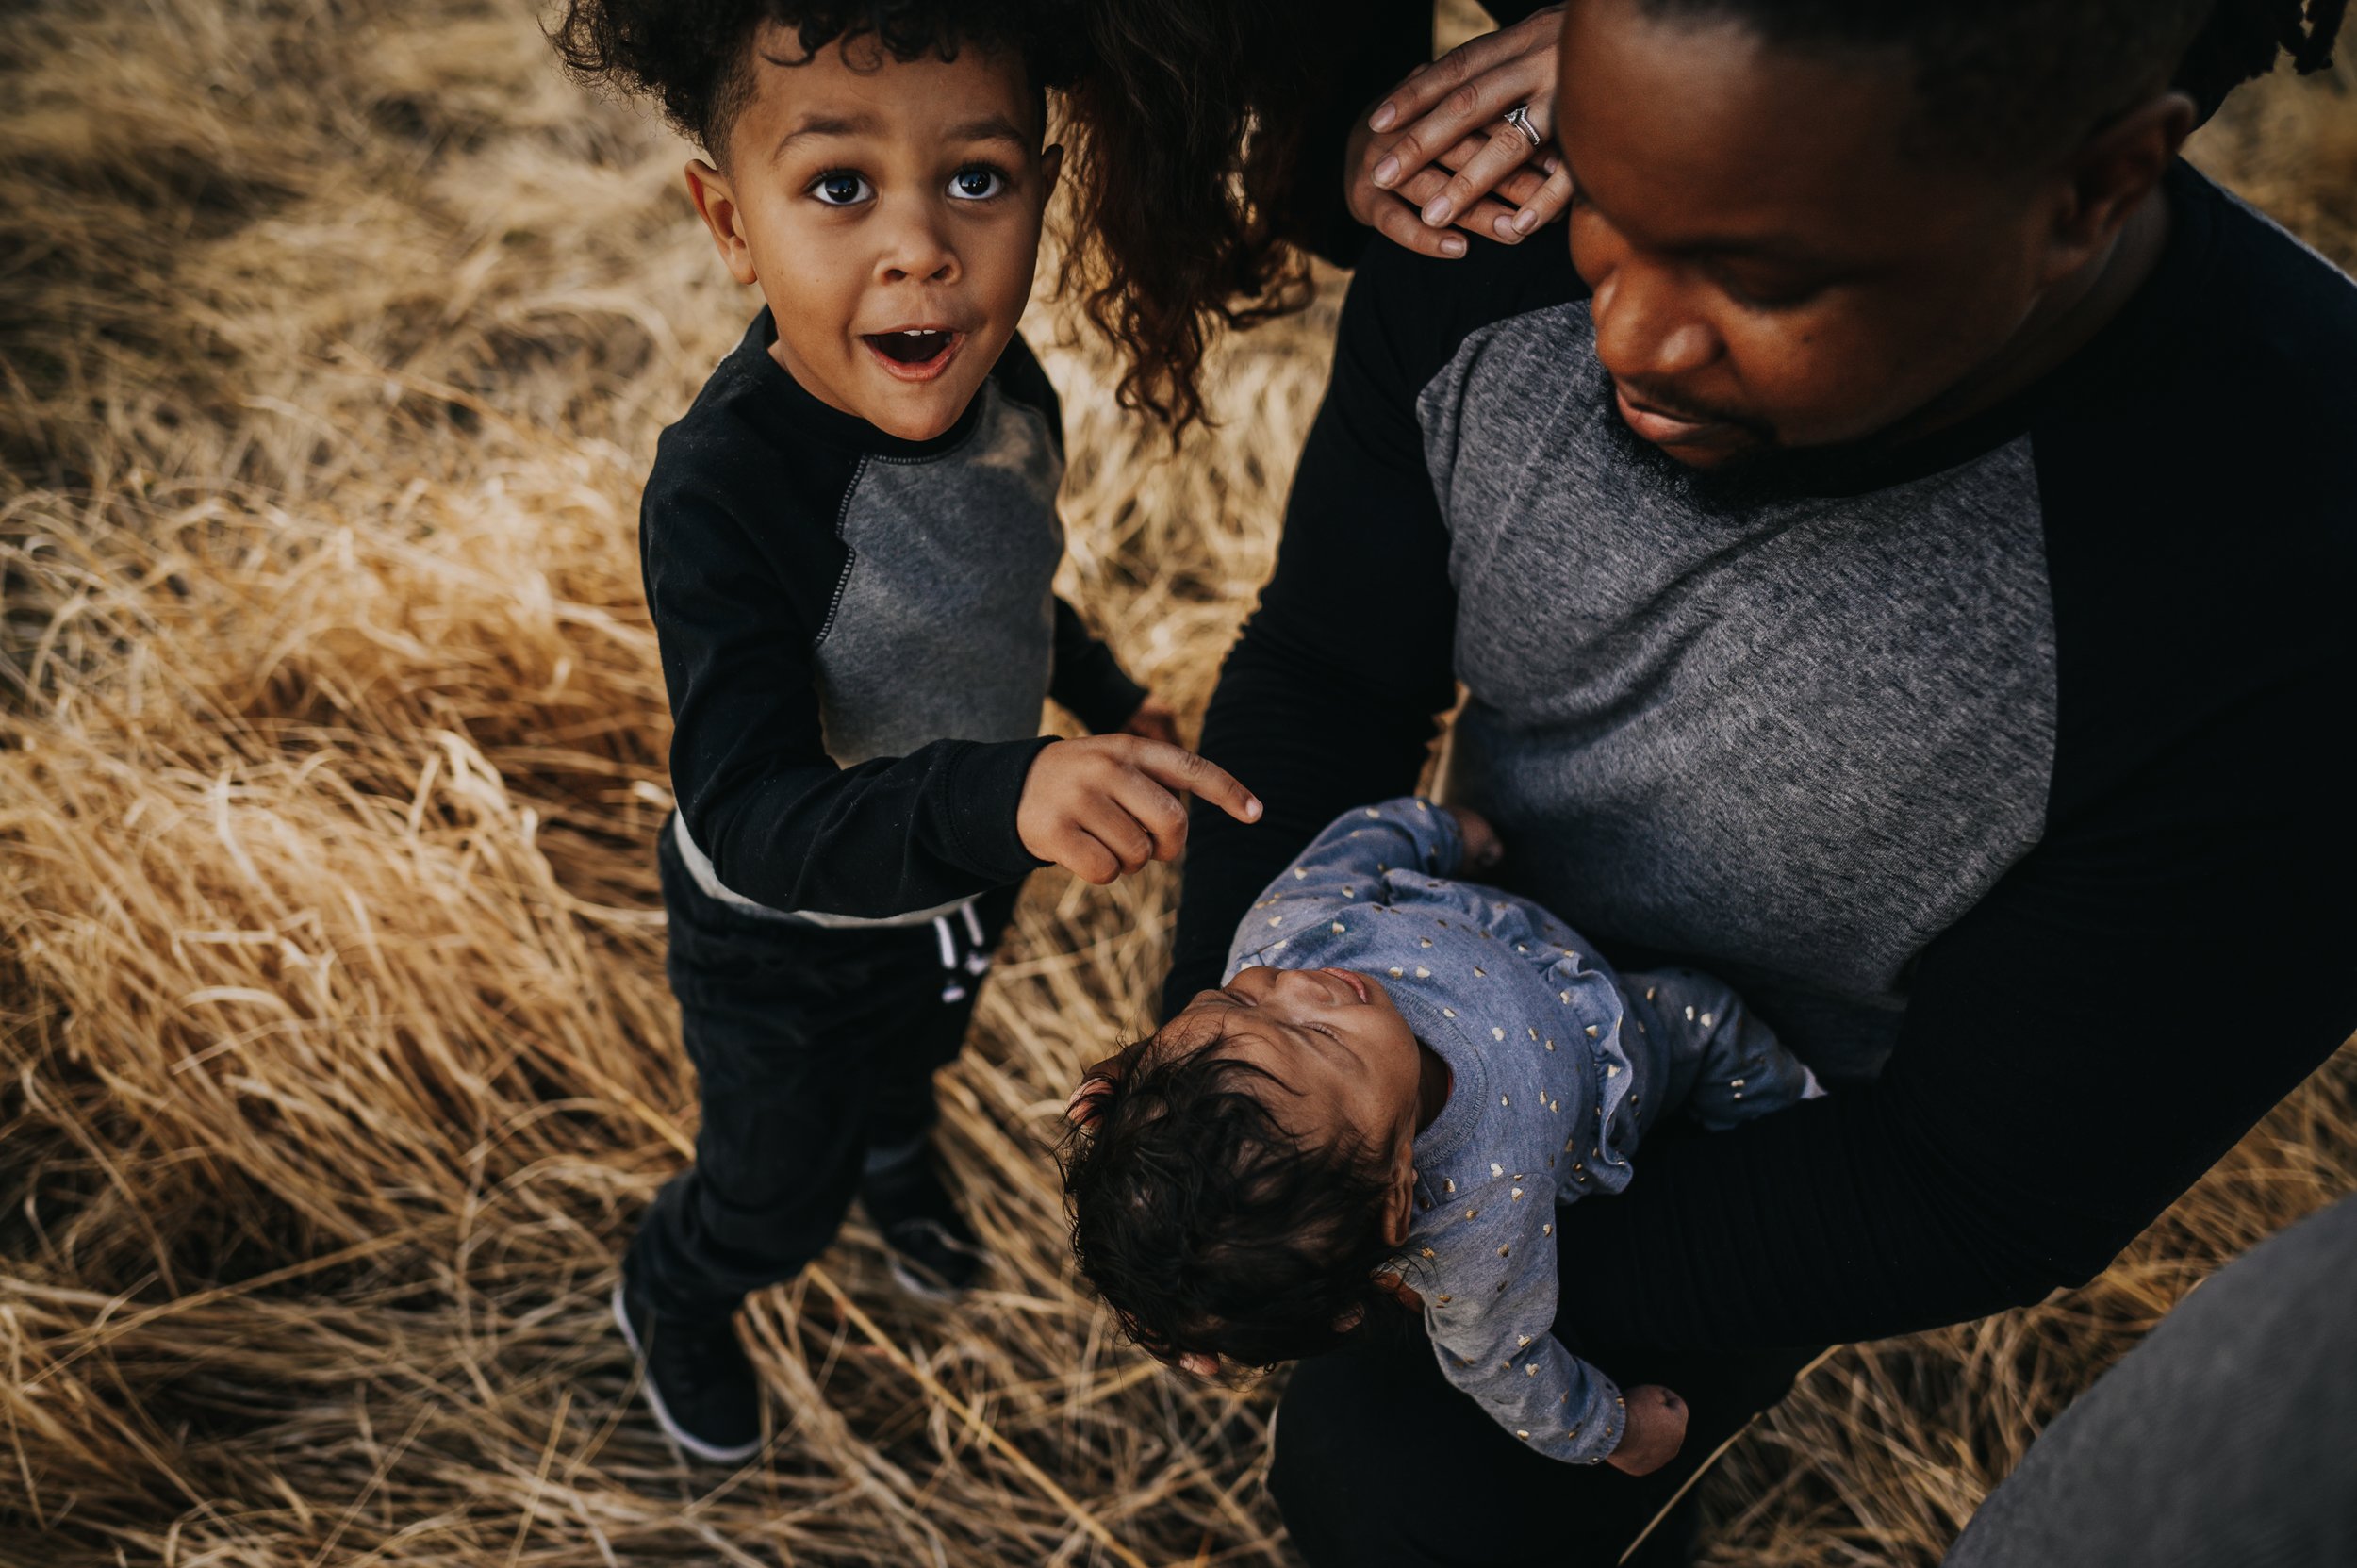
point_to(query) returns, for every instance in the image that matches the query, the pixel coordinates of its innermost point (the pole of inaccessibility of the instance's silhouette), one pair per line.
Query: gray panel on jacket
(943, 629)
(1790, 741)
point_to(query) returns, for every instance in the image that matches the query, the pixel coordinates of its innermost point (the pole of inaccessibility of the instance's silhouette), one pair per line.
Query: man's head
(1249, 1170)
(877, 169)
(1812, 221)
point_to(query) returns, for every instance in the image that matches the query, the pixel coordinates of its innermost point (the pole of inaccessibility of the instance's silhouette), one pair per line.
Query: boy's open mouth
(914, 354)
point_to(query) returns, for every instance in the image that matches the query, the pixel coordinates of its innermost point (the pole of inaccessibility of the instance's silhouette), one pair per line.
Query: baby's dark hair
(1209, 1227)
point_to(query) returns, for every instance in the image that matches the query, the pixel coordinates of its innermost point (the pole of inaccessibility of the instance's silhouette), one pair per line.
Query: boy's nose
(917, 252)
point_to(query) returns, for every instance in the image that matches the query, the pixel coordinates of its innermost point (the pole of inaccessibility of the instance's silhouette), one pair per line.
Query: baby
(1403, 1077)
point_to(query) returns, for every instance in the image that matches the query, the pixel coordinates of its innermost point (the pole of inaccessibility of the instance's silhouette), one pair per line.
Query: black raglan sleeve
(1331, 694)
(782, 823)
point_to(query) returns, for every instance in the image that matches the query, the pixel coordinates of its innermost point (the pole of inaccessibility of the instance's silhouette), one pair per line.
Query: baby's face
(890, 211)
(1344, 1063)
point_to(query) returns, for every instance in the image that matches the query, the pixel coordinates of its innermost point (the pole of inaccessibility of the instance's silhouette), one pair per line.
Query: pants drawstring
(951, 991)
(977, 959)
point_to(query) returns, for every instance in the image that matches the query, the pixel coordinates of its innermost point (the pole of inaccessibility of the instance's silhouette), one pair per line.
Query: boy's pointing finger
(1198, 776)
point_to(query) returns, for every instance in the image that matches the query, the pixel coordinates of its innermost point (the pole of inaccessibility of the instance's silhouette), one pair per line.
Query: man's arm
(2078, 1049)
(1332, 695)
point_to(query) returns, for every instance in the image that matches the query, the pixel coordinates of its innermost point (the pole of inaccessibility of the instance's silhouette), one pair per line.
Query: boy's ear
(2115, 170)
(716, 204)
(1050, 169)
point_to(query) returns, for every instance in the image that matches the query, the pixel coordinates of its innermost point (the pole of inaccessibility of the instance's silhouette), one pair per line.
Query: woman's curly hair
(1209, 1227)
(1179, 186)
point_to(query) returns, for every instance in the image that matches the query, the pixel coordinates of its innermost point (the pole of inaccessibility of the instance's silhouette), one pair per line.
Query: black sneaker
(696, 1379)
(934, 1254)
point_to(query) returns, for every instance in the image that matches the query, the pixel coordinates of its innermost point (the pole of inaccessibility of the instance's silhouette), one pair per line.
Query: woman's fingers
(1426, 84)
(1394, 218)
(1504, 151)
(1482, 218)
(1469, 86)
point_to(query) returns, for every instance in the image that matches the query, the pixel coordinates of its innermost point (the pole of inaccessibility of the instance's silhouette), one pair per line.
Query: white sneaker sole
(671, 1428)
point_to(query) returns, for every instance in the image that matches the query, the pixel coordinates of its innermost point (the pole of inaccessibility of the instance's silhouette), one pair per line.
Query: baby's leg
(1723, 1064)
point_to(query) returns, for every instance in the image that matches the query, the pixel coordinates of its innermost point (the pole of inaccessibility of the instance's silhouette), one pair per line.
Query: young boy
(1403, 1072)
(848, 543)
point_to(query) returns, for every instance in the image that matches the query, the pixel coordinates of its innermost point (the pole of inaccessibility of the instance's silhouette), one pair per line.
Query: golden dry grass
(338, 1057)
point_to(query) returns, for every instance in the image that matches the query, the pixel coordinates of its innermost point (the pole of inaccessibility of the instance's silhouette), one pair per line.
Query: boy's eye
(841, 188)
(976, 184)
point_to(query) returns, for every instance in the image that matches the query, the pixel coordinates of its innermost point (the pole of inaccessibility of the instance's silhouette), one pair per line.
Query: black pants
(1381, 1463)
(811, 1046)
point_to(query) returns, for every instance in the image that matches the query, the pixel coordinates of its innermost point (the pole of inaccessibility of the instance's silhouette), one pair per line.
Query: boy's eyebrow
(817, 126)
(991, 127)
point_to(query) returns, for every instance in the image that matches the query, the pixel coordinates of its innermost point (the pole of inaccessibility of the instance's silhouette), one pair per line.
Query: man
(1899, 561)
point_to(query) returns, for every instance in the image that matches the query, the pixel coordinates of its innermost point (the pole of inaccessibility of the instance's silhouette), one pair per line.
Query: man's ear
(717, 203)
(2112, 172)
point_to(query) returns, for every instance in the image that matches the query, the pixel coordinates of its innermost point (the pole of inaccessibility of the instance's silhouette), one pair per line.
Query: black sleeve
(1330, 696)
(781, 822)
(1088, 681)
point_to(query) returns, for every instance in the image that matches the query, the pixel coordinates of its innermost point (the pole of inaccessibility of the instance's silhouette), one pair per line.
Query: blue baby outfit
(1560, 1065)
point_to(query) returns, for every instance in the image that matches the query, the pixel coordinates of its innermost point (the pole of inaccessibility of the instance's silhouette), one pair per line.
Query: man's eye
(1765, 296)
(841, 188)
(978, 184)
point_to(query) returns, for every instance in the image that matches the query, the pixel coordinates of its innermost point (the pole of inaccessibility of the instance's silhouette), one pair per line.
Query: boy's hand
(1482, 848)
(1656, 1430)
(1103, 807)
(1154, 720)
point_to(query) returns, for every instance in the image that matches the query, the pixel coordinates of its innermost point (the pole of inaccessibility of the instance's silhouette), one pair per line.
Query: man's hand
(1103, 807)
(1154, 720)
(1482, 848)
(1655, 1433)
(1437, 155)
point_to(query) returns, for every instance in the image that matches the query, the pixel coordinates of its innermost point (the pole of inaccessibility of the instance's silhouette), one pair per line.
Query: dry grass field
(335, 1059)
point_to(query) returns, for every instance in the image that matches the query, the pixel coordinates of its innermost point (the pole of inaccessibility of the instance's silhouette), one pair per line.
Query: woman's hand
(1437, 153)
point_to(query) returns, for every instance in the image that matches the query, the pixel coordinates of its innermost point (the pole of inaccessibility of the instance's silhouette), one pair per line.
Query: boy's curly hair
(1209, 1227)
(1180, 166)
(694, 56)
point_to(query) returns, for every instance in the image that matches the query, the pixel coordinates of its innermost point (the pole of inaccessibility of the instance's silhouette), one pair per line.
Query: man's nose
(1644, 330)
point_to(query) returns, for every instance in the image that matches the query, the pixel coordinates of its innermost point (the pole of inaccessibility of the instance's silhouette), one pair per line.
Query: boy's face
(1344, 1063)
(1771, 265)
(890, 212)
